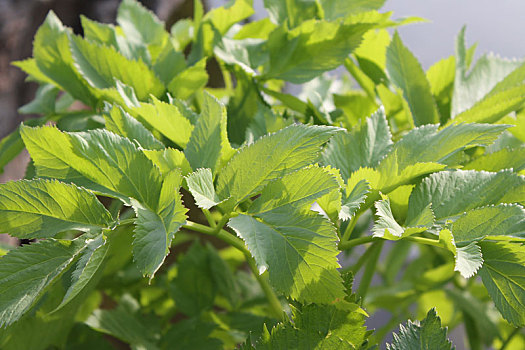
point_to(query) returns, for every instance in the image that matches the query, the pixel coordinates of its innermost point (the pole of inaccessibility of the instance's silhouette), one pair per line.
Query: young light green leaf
(102, 65)
(139, 24)
(283, 152)
(298, 250)
(472, 87)
(26, 272)
(209, 146)
(291, 12)
(505, 158)
(300, 54)
(88, 265)
(190, 80)
(364, 146)
(492, 108)
(54, 60)
(41, 209)
(200, 184)
(354, 196)
(296, 190)
(169, 159)
(426, 334)
(503, 274)
(156, 226)
(335, 9)
(98, 160)
(441, 78)
(10, 147)
(121, 123)
(167, 119)
(502, 221)
(454, 192)
(405, 71)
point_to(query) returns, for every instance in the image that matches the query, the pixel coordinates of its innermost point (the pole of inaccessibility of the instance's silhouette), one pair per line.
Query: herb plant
(167, 214)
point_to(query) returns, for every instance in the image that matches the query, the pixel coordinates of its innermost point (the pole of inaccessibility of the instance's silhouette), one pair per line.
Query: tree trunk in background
(19, 21)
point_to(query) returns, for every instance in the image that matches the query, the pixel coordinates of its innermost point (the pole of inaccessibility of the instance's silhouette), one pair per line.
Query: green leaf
(169, 159)
(296, 190)
(157, 225)
(387, 227)
(355, 195)
(194, 289)
(10, 147)
(101, 65)
(506, 220)
(364, 146)
(209, 146)
(200, 184)
(98, 160)
(454, 192)
(291, 12)
(505, 158)
(405, 71)
(298, 250)
(167, 119)
(41, 209)
(54, 60)
(335, 9)
(124, 323)
(426, 334)
(492, 108)
(26, 273)
(44, 101)
(468, 260)
(300, 54)
(121, 123)
(503, 274)
(314, 326)
(192, 334)
(88, 265)
(169, 63)
(441, 78)
(285, 151)
(471, 87)
(140, 24)
(189, 81)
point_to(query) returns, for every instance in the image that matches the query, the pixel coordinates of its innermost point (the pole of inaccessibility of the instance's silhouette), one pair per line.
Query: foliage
(167, 213)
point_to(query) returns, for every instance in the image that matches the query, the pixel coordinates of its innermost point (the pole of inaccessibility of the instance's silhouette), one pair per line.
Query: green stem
(349, 229)
(127, 221)
(370, 269)
(509, 338)
(275, 304)
(357, 241)
(355, 269)
(427, 241)
(210, 218)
